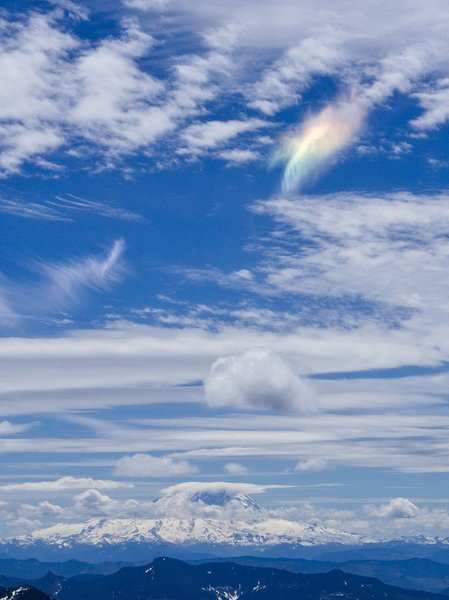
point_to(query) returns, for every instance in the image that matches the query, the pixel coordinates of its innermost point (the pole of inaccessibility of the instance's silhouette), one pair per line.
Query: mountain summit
(219, 500)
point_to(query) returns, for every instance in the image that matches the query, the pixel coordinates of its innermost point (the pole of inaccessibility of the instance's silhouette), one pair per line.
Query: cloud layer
(104, 99)
(145, 465)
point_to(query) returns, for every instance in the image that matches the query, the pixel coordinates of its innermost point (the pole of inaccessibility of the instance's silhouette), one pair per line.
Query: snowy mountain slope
(267, 532)
(200, 514)
(207, 519)
(201, 518)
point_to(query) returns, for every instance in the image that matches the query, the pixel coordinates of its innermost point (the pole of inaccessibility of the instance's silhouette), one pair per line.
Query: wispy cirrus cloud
(351, 259)
(61, 285)
(75, 204)
(62, 208)
(64, 283)
(360, 243)
(30, 209)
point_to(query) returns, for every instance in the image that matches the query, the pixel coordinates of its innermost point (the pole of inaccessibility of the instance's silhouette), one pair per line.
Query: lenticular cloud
(319, 139)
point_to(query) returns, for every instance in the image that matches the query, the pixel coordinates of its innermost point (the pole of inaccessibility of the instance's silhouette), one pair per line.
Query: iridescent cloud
(319, 139)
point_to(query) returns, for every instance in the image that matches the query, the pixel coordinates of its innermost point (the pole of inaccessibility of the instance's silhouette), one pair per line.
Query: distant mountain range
(218, 523)
(413, 573)
(416, 573)
(201, 524)
(172, 579)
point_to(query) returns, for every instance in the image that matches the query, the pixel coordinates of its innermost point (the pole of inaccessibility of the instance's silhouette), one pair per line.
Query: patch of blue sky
(403, 371)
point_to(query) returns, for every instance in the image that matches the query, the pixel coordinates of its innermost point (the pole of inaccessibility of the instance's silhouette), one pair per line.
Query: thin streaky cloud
(71, 202)
(63, 483)
(31, 210)
(64, 208)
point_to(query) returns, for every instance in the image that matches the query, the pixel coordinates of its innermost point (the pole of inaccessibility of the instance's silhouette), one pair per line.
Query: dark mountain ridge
(32, 568)
(22, 593)
(414, 573)
(172, 579)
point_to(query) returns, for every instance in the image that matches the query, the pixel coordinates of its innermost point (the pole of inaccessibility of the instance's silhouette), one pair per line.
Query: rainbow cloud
(320, 137)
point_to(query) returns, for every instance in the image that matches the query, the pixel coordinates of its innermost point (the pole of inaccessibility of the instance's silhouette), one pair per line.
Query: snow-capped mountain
(204, 519)
(189, 532)
(200, 518)
(207, 500)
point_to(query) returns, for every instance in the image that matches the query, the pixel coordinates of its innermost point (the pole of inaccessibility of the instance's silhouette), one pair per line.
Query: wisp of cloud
(319, 139)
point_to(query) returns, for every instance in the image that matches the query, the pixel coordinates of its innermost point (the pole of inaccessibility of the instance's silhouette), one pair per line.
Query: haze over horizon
(225, 251)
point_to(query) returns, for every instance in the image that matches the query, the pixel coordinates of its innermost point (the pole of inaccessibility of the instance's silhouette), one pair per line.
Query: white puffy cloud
(94, 503)
(233, 468)
(74, 9)
(204, 136)
(239, 156)
(397, 508)
(114, 105)
(435, 104)
(408, 522)
(18, 144)
(282, 83)
(8, 428)
(146, 4)
(24, 524)
(19, 517)
(58, 90)
(311, 464)
(145, 465)
(257, 378)
(32, 68)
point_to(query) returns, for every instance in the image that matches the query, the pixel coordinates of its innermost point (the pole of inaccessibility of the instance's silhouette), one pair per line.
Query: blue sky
(225, 247)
